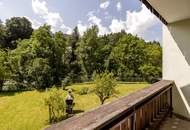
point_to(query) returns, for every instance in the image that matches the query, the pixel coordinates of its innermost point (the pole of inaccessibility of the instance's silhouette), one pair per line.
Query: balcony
(149, 108)
(174, 123)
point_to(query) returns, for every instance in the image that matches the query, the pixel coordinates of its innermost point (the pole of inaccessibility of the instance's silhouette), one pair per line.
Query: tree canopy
(40, 58)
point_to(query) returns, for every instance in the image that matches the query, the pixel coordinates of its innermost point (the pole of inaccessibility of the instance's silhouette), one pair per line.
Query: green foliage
(17, 28)
(10, 85)
(150, 72)
(151, 69)
(30, 61)
(127, 56)
(4, 70)
(87, 50)
(37, 62)
(19, 62)
(66, 82)
(84, 91)
(58, 60)
(40, 73)
(3, 35)
(40, 58)
(73, 59)
(105, 85)
(56, 104)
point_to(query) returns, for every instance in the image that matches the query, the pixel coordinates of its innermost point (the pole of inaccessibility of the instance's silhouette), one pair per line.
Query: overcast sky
(108, 15)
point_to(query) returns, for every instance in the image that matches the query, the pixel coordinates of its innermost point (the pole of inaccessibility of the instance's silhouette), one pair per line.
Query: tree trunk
(102, 101)
(1, 85)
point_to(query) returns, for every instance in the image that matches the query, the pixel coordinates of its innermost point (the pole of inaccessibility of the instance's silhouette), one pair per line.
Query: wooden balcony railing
(144, 109)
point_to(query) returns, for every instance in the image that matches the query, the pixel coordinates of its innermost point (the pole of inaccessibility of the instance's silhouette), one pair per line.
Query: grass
(26, 110)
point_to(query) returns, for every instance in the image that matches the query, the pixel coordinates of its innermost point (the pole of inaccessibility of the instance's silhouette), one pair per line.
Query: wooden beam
(155, 12)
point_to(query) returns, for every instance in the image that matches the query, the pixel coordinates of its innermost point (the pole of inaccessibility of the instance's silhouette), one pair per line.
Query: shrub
(84, 91)
(56, 103)
(65, 82)
(105, 86)
(10, 85)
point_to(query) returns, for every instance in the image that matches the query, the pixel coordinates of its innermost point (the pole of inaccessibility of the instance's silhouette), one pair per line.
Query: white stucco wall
(176, 63)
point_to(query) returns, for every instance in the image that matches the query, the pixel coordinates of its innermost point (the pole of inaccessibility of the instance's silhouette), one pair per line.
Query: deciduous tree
(105, 85)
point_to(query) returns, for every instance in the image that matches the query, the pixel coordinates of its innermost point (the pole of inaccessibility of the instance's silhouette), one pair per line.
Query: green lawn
(26, 110)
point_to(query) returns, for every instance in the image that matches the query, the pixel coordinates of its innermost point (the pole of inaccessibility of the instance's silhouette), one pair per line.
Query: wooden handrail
(138, 110)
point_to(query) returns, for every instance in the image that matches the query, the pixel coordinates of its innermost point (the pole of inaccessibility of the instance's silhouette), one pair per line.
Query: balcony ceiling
(172, 10)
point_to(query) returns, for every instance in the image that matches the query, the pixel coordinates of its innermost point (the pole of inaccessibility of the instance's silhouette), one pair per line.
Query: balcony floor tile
(175, 123)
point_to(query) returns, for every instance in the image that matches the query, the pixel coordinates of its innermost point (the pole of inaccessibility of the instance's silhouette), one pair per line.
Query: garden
(38, 67)
(26, 110)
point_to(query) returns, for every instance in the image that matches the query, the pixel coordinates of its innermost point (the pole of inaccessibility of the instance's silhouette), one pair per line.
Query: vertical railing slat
(148, 113)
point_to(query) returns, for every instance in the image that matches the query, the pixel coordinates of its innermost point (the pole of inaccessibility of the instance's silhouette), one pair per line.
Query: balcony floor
(175, 123)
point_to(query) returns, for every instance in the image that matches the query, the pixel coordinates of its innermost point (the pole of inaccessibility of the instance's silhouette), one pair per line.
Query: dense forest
(39, 58)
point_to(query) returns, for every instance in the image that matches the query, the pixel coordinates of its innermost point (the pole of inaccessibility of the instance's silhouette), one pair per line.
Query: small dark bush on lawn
(84, 91)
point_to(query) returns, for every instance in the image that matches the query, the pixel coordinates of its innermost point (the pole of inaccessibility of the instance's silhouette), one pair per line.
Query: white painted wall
(176, 63)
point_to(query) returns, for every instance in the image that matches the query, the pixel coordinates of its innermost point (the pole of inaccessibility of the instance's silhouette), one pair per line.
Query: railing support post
(133, 121)
(171, 103)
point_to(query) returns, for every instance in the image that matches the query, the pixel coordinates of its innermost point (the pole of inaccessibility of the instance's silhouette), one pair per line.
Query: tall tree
(152, 66)
(86, 50)
(3, 35)
(58, 61)
(127, 56)
(31, 61)
(74, 39)
(74, 66)
(19, 62)
(43, 45)
(17, 28)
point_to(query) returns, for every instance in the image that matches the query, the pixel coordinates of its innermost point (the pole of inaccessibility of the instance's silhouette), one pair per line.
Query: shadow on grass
(10, 93)
(77, 111)
(67, 116)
